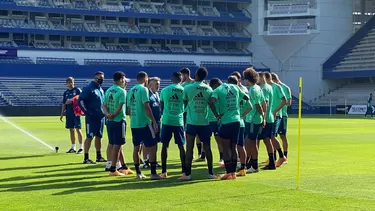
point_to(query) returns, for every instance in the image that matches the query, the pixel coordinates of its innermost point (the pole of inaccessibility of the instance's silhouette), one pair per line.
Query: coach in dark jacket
(91, 101)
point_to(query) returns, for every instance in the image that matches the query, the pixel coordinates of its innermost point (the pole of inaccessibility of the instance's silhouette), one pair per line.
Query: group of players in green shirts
(239, 116)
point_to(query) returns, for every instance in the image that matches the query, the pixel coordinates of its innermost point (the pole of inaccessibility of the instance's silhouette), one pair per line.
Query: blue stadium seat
(154, 63)
(126, 62)
(16, 60)
(49, 60)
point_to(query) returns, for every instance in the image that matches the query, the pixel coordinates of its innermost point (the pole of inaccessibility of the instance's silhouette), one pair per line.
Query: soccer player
(196, 98)
(278, 102)
(143, 124)
(153, 88)
(115, 110)
(214, 126)
(91, 103)
(172, 105)
(228, 96)
(251, 78)
(73, 122)
(284, 114)
(245, 108)
(266, 134)
(369, 106)
(187, 80)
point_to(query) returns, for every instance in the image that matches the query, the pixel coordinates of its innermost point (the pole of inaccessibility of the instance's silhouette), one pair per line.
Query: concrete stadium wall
(294, 56)
(30, 110)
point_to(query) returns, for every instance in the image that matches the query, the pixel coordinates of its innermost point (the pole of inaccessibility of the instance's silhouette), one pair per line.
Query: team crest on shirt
(74, 93)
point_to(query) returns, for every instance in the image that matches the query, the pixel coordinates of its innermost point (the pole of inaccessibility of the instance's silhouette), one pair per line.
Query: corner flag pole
(298, 180)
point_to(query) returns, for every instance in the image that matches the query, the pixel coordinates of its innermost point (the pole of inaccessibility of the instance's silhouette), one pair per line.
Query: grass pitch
(337, 173)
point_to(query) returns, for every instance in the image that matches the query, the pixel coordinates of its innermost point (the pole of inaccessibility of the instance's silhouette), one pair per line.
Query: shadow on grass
(15, 168)
(98, 182)
(21, 157)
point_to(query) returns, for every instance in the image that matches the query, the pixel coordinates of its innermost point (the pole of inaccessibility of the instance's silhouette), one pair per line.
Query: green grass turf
(337, 173)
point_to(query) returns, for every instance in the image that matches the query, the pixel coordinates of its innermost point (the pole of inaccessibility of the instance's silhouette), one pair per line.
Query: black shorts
(230, 131)
(116, 132)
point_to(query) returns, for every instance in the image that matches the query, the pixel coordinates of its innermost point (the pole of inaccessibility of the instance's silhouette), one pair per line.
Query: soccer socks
(164, 157)
(153, 167)
(281, 155)
(254, 163)
(286, 153)
(221, 155)
(228, 166)
(199, 147)
(86, 156)
(274, 155)
(242, 166)
(137, 169)
(112, 169)
(271, 160)
(234, 166)
(108, 165)
(124, 166)
(80, 146)
(74, 146)
(98, 155)
(248, 164)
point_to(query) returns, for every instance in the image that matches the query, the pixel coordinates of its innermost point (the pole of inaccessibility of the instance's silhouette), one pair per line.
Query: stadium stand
(352, 94)
(116, 19)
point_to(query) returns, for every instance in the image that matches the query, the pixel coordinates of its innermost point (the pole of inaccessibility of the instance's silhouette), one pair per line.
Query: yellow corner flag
(299, 133)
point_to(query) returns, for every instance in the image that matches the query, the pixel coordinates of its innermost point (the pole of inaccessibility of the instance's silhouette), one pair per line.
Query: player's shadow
(21, 157)
(15, 168)
(74, 184)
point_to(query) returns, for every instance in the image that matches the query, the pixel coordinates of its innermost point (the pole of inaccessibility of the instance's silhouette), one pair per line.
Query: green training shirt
(113, 97)
(138, 95)
(197, 96)
(172, 97)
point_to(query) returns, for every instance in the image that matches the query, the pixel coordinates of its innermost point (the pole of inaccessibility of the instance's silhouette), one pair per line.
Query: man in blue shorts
(196, 98)
(245, 108)
(143, 124)
(268, 129)
(91, 103)
(153, 89)
(187, 80)
(214, 124)
(278, 102)
(73, 122)
(284, 114)
(251, 78)
(172, 105)
(228, 97)
(115, 110)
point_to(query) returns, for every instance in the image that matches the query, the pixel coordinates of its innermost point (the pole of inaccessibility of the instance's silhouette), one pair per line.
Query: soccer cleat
(241, 173)
(126, 171)
(184, 178)
(221, 162)
(226, 177)
(140, 176)
(146, 165)
(286, 161)
(80, 151)
(71, 151)
(116, 173)
(101, 160)
(164, 175)
(252, 170)
(212, 176)
(280, 161)
(234, 176)
(88, 161)
(200, 159)
(269, 167)
(155, 177)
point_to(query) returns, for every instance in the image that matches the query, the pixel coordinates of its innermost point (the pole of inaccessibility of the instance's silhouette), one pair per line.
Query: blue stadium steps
(355, 58)
(306, 108)
(3, 102)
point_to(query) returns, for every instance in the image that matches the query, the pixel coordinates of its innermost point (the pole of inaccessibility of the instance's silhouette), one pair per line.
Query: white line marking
(25, 132)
